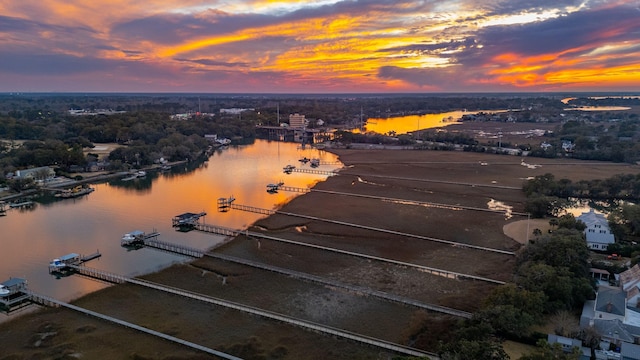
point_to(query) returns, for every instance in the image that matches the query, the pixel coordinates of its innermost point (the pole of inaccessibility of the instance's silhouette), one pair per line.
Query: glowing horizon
(288, 46)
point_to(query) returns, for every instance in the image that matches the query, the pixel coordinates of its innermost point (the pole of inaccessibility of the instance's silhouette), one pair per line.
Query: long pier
(119, 279)
(188, 251)
(51, 302)
(427, 269)
(403, 201)
(174, 248)
(366, 227)
(494, 186)
(352, 288)
(312, 171)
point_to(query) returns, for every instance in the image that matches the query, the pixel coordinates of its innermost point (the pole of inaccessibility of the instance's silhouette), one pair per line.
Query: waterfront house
(597, 232)
(38, 173)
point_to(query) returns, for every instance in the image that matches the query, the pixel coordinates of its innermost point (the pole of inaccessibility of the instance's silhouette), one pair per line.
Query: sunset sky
(323, 46)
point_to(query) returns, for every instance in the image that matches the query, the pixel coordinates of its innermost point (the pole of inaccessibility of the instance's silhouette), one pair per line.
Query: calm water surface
(406, 124)
(29, 239)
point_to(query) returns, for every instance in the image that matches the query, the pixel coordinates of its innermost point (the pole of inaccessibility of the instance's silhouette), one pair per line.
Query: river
(97, 221)
(409, 123)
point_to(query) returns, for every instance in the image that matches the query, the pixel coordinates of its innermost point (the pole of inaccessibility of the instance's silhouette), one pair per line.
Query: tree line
(551, 279)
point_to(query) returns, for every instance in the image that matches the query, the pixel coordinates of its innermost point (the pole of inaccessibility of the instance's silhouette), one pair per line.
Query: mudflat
(421, 216)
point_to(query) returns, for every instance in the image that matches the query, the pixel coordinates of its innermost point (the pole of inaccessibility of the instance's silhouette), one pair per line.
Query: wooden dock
(106, 276)
(187, 220)
(366, 227)
(51, 302)
(64, 264)
(310, 171)
(16, 298)
(196, 253)
(433, 271)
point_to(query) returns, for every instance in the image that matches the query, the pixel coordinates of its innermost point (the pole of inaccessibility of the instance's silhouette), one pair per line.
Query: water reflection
(405, 124)
(97, 221)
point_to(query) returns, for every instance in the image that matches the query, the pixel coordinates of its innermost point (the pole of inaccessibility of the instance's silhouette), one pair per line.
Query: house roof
(552, 338)
(612, 329)
(599, 271)
(592, 218)
(630, 278)
(611, 300)
(630, 351)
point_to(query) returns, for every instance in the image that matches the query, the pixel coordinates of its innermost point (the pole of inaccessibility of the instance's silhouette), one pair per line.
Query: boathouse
(187, 220)
(13, 296)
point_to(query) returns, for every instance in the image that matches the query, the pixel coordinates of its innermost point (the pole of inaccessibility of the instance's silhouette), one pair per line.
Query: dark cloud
(510, 7)
(39, 64)
(175, 28)
(433, 48)
(436, 78)
(209, 62)
(586, 30)
(44, 64)
(105, 47)
(442, 79)
(13, 24)
(9, 24)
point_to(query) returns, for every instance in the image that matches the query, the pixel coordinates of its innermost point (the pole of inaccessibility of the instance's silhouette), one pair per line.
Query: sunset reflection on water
(406, 124)
(31, 238)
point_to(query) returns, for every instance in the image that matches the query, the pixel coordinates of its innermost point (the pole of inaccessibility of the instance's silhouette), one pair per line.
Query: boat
(4, 291)
(135, 175)
(75, 192)
(56, 264)
(132, 237)
(223, 141)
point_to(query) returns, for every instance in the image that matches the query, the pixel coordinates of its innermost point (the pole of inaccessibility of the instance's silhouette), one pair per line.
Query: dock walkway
(188, 251)
(51, 302)
(366, 227)
(118, 279)
(427, 269)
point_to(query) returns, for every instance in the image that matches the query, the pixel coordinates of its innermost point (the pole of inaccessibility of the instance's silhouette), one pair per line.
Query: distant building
(297, 121)
(39, 173)
(598, 233)
(568, 146)
(85, 112)
(235, 111)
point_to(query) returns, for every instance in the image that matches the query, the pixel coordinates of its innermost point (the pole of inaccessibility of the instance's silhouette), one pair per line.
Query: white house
(598, 233)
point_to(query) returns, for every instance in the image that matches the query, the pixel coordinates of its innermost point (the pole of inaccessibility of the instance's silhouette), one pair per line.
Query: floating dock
(12, 295)
(136, 239)
(64, 264)
(22, 204)
(187, 221)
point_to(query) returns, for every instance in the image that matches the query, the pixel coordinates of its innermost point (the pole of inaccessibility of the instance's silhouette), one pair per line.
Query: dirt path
(522, 230)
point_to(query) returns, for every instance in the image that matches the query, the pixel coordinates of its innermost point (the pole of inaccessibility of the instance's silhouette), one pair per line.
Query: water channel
(30, 238)
(409, 123)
